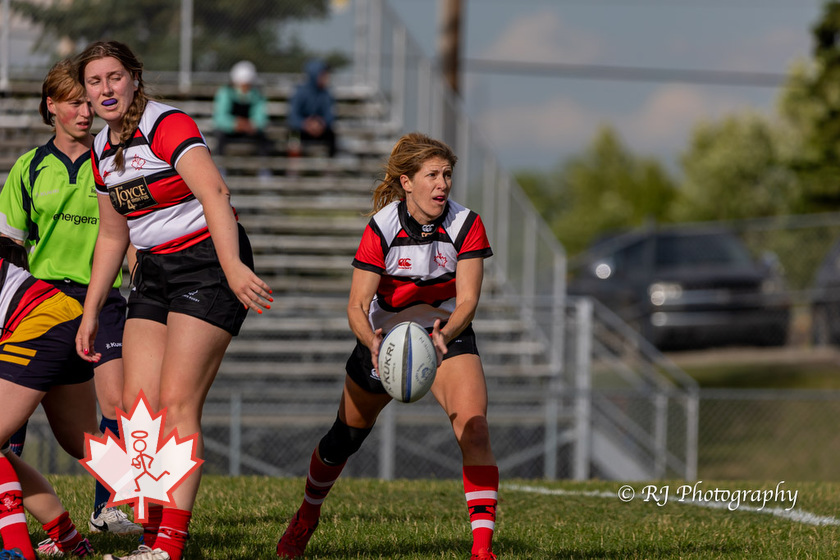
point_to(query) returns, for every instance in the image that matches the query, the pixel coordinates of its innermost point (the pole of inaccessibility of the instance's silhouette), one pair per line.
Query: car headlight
(603, 270)
(771, 286)
(661, 292)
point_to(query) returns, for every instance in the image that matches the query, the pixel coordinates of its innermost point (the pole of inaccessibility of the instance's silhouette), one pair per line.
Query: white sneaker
(142, 553)
(49, 548)
(113, 520)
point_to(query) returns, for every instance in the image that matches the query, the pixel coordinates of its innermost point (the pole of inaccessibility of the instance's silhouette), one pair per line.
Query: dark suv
(687, 287)
(825, 300)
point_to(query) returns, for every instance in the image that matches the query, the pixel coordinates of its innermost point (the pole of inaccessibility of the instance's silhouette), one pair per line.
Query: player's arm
(14, 220)
(18, 241)
(469, 275)
(362, 289)
(197, 169)
(111, 245)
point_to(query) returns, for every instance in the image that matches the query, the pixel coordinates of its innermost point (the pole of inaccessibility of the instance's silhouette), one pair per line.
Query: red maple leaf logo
(139, 468)
(137, 162)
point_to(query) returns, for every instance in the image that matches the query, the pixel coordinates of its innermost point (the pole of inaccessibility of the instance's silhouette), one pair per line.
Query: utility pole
(449, 40)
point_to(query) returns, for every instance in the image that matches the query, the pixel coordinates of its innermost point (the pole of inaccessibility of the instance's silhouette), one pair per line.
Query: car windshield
(682, 250)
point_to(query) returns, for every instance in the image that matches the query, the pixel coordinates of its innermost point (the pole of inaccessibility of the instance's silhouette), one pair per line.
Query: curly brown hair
(407, 157)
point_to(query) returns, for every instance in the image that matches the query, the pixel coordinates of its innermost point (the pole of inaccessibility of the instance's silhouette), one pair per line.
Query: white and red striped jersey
(20, 293)
(418, 263)
(163, 214)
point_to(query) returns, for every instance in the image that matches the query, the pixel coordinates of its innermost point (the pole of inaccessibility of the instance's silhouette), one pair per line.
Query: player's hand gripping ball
(407, 362)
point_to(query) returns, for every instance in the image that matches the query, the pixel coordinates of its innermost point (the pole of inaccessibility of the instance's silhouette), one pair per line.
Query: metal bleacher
(278, 386)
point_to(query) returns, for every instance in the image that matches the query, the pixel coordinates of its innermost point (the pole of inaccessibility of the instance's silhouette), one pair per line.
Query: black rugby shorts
(111, 320)
(190, 281)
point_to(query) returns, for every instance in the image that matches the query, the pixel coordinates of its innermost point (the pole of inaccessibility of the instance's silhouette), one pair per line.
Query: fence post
(374, 36)
(557, 342)
(660, 434)
(463, 147)
(5, 45)
(501, 225)
(398, 67)
(235, 447)
(360, 42)
(387, 443)
(529, 272)
(692, 411)
(185, 75)
(424, 98)
(583, 386)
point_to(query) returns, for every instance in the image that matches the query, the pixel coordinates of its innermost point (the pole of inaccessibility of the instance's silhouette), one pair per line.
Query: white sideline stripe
(805, 517)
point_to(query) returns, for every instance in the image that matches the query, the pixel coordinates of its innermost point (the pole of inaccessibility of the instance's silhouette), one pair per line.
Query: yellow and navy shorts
(41, 352)
(109, 335)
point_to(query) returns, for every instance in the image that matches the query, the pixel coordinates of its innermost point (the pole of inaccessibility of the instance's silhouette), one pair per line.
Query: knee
(474, 436)
(341, 442)
(180, 410)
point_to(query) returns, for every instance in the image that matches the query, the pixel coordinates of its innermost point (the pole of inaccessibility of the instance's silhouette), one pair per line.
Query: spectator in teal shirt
(240, 112)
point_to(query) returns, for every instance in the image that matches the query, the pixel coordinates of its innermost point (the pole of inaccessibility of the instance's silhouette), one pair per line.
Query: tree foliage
(606, 188)
(735, 168)
(811, 104)
(223, 31)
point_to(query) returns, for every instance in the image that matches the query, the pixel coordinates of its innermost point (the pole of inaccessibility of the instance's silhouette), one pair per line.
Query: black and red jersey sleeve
(370, 255)
(173, 133)
(472, 242)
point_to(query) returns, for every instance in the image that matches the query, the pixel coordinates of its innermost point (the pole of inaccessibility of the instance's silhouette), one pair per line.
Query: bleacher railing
(529, 266)
(527, 272)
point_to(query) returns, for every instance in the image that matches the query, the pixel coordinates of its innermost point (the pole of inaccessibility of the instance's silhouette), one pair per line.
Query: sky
(538, 121)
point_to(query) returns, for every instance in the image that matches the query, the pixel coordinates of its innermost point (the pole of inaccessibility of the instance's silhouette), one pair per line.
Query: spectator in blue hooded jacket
(311, 111)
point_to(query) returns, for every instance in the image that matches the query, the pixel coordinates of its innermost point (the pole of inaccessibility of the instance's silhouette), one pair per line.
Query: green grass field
(241, 518)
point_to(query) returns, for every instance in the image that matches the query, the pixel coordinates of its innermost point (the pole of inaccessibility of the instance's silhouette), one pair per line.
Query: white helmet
(243, 72)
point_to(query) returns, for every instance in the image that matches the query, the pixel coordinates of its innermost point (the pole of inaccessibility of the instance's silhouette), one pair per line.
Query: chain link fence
(744, 435)
(271, 428)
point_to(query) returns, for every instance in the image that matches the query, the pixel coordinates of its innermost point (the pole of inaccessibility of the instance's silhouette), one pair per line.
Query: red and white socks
(12, 518)
(173, 533)
(481, 487)
(151, 525)
(319, 480)
(62, 531)
(167, 529)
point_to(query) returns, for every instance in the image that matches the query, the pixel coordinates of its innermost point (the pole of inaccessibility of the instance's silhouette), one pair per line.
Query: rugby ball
(407, 362)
